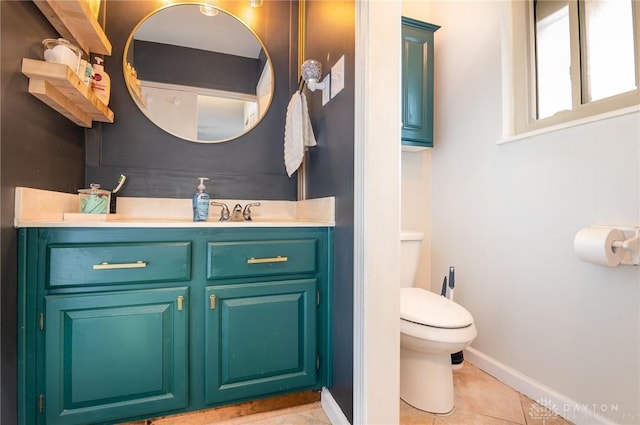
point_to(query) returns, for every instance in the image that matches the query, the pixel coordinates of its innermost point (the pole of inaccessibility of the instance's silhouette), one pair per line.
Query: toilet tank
(410, 247)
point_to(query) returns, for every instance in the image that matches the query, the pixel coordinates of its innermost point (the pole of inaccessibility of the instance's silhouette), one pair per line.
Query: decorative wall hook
(312, 73)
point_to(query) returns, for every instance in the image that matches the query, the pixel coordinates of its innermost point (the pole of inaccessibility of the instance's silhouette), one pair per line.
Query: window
(573, 59)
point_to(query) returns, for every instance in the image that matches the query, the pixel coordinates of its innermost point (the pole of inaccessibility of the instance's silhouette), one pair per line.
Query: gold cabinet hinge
(41, 321)
(180, 301)
(41, 403)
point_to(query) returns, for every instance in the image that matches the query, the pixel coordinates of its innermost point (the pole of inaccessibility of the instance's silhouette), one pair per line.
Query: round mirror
(198, 72)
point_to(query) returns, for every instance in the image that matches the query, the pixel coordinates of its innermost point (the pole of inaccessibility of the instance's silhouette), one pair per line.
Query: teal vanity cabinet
(119, 324)
(262, 317)
(417, 83)
(103, 324)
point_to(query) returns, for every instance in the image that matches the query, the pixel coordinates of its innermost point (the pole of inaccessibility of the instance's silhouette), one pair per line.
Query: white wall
(415, 177)
(177, 109)
(415, 206)
(377, 214)
(506, 215)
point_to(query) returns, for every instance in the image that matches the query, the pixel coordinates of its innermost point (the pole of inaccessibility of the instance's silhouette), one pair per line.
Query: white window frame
(519, 94)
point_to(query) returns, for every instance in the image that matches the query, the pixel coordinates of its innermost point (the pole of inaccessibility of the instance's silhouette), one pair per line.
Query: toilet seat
(426, 308)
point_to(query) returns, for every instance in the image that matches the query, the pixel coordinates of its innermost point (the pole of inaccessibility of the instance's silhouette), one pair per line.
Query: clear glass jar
(94, 200)
(59, 50)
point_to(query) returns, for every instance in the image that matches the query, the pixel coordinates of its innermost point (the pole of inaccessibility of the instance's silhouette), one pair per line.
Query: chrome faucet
(224, 212)
(246, 213)
(236, 215)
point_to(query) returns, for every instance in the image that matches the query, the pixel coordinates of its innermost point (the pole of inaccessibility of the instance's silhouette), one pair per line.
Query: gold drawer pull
(278, 259)
(212, 302)
(106, 266)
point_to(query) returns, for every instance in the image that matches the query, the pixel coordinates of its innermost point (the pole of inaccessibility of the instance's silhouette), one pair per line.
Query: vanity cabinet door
(260, 338)
(115, 355)
(417, 83)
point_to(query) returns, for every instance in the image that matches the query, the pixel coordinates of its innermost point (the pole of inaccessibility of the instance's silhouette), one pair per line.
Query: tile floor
(480, 399)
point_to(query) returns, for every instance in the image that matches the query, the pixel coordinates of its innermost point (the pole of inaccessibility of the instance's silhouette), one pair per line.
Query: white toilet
(431, 329)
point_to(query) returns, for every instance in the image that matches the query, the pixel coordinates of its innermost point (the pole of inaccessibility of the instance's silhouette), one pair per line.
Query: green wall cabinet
(417, 83)
(119, 324)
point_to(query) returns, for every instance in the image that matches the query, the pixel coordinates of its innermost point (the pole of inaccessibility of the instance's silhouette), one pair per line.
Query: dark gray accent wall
(38, 148)
(166, 63)
(331, 34)
(161, 165)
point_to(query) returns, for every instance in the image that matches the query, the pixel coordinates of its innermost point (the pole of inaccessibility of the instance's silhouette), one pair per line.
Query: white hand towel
(298, 133)
(307, 130)
(293, 142)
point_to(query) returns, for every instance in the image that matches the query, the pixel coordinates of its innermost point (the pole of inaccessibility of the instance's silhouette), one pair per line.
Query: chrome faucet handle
(236, 215)
(224, 213)
(246, 213)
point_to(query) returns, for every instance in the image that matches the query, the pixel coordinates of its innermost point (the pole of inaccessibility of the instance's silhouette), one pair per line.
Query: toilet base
(426, 380)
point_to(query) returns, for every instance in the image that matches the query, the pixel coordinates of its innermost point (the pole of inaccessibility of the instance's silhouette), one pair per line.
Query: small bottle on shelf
(101, 82)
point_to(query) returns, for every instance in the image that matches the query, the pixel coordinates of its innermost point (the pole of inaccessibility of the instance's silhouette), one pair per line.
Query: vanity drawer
(107, 263)
(261, 258)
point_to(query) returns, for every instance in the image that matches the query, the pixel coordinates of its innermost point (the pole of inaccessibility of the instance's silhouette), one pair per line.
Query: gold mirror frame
(136, 89)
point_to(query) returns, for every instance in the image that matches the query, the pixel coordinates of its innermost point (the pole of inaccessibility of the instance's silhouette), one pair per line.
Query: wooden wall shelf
(75, 22)
(59, 86)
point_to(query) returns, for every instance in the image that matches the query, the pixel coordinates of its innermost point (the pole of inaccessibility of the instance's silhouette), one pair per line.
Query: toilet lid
(426, 308)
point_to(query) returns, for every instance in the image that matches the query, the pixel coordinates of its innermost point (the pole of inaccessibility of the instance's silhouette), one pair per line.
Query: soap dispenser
(201, 202)
(101, 83)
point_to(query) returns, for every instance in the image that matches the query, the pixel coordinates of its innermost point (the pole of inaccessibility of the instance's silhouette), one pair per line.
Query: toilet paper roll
(595, 245)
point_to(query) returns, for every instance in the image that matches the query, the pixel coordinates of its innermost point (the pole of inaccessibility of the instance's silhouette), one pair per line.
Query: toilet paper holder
(630, 243)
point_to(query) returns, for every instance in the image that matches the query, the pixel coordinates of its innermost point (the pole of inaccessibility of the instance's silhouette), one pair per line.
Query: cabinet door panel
(417, 82)
(260, 339)
(115, 355)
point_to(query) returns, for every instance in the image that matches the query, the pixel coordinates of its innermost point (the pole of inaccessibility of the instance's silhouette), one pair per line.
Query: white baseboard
(331, 408)
(571, 410)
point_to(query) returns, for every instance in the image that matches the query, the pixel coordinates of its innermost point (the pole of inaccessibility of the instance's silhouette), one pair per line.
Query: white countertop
(43, 208)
